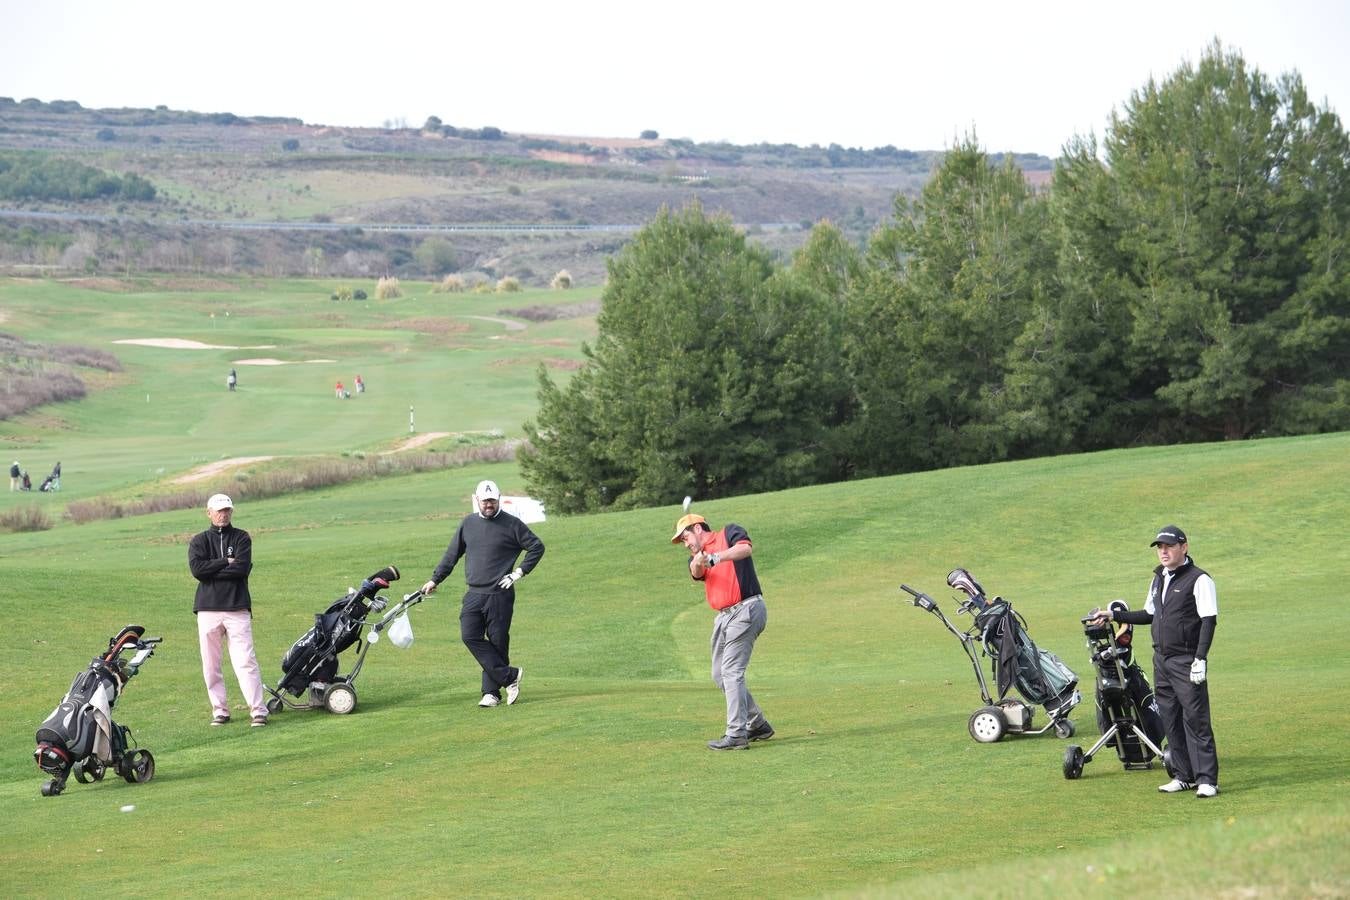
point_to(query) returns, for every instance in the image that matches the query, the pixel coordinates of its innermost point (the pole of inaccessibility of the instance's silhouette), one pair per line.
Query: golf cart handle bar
(909, 590)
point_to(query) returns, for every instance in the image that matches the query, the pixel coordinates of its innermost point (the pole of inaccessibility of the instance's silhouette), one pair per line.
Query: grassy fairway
(454, 358)
(597, 783)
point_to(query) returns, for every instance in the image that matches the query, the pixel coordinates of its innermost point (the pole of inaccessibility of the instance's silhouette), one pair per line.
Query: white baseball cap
(487, 490)
(218, 502)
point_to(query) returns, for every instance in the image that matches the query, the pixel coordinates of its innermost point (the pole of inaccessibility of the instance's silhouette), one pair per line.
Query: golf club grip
(909, 590)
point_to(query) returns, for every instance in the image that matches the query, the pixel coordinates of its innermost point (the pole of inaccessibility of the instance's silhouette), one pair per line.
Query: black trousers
(485, 628)
(1185, 714)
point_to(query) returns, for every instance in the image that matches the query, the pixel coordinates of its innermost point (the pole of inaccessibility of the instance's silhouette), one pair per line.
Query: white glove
(1198, 671)
(510, 579)
(710, 560)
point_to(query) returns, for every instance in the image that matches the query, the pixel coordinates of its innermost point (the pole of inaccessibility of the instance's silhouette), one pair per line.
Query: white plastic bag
(400, 632)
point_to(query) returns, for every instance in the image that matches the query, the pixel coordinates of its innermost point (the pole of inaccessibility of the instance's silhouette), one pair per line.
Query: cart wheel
(51, 788)
(1073, 762)
(339, 699)
(139, 767)
(275, 705)
(1064, 729)
(988, 725)
(87, 773)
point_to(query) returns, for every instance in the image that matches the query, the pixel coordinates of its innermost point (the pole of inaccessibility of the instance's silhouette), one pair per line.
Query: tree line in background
(1188, 279)
(29, 175)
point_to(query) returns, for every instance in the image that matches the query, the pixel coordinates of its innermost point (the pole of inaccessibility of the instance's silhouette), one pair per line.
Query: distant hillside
(223, 182)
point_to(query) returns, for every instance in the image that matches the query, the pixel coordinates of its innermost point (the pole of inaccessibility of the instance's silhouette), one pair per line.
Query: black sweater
(492, 546)
(221, 586)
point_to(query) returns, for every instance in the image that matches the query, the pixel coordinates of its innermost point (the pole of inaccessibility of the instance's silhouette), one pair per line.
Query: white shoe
(1206, 790)
(1174, 787)
(513, 689)
(488, 701)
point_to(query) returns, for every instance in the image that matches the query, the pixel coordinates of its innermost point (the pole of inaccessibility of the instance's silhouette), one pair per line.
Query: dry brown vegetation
(552, 313)
(291, 479)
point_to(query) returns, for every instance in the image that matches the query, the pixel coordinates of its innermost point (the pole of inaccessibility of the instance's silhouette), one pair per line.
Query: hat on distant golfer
(218, 502)
(1170, 534)
(487, 490)
(684, 524)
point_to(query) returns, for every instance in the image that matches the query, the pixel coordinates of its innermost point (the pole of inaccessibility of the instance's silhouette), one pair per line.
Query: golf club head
(687, 500)
(965, 582)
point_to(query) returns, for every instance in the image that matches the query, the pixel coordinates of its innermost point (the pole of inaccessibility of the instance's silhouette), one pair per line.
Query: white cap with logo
(219, 502)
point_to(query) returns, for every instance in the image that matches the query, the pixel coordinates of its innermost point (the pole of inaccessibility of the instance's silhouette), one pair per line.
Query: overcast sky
(1024, 76)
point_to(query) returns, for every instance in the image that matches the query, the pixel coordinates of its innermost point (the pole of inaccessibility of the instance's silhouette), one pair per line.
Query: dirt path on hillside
(417, 440)
(203, 472)
(507, 323)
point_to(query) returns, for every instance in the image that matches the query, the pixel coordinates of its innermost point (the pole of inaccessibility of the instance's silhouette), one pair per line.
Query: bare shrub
(509, 285)
(551, 313)
(31, 518)
(309, 477)
(562, 281)
(482, 287)
(451, 284)
(387, 288)
(342, 292)
(69, 354)
(22, 389)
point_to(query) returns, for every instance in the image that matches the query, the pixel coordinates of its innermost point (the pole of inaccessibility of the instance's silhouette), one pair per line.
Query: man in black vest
(1183, 608)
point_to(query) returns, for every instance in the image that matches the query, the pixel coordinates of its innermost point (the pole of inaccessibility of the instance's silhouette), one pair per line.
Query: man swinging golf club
(491, 540)
(721, 560)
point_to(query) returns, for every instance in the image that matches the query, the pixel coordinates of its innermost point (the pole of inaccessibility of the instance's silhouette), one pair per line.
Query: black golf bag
(312, 662)
(80, 736)
(1040, 676)
(1127, 715)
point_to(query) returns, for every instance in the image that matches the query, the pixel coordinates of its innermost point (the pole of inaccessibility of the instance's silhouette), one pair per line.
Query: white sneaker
(1206, 790)
(1174, 787)
(488, 701)
(513, 689)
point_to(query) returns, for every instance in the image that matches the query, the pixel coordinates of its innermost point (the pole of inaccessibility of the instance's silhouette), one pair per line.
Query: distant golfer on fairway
(492, 540)
(721, 560)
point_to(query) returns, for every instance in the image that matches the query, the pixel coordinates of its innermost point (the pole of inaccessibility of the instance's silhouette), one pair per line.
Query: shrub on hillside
(387, 288)
(342, 292)
(31, 518)
(509, 285)
(482, 287)
(451, 284)
(562, 281)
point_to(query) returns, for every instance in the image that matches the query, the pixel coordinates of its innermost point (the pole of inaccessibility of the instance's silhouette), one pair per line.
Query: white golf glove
(1198, 671)
(711, 559)
(510, 579)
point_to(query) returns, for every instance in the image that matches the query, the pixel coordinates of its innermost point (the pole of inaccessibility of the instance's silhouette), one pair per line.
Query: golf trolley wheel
(987, 725)
(1064, 729)
(138, 767)
(87, 774)
(339, 699)
(275, 705)
(1073, 762)
(51, 788)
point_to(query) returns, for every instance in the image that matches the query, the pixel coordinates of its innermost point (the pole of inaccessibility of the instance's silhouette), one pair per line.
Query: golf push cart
(311, 665)
(999, 632)
(80, 737)
(1127, 715)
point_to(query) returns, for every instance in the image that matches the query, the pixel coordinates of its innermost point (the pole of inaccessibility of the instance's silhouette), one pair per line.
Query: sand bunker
(181, 344)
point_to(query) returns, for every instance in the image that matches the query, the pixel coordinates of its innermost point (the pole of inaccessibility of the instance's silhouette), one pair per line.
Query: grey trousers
(733, 639)
(1184, 708)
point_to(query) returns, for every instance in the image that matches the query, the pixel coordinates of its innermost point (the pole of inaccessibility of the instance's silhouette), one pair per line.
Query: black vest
(1176, 622)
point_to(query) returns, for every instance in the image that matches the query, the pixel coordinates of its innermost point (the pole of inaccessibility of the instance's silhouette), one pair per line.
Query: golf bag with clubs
(311, 665)
(1127, 715)
(80, 736)
(999, 632)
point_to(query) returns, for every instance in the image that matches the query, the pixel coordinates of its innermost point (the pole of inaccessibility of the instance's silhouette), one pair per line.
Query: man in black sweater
(492, 540)
(1183, 608)
(220, 558)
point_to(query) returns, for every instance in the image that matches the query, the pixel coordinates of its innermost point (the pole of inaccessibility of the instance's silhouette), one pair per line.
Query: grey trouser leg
(1185, 713)
(733, 639)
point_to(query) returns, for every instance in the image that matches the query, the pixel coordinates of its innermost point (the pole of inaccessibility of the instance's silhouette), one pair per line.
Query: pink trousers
(212, 629)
